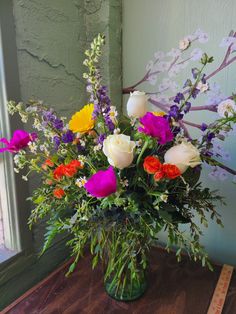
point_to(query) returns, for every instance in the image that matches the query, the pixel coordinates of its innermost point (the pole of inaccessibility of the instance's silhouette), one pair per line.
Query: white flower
(183, 156)
(124, 182)
(80, 182)
(174, 53)
(164, 198)
(116, 131)
(32, 147)
(97, 147)
(137, 104)
(226, 108)
(25, 178)
(184, 43)
(119, 150)
(196, 54)
(227, 41)
(202, 87)
(113, 114)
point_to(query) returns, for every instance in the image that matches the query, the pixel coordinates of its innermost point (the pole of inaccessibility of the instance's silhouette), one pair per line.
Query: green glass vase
(129, 290)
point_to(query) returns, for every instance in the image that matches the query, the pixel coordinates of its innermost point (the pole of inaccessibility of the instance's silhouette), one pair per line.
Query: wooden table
(174, 288)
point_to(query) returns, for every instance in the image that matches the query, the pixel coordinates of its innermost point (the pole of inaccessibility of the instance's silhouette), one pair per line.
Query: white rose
(119, 150)
(226, 107)
(184, 43)
(137, 104)
(183, 156)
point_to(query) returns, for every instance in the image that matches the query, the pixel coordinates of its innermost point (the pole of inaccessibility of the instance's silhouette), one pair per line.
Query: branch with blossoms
(162, 72)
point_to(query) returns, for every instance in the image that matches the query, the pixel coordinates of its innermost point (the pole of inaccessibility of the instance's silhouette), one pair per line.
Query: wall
(152, 25)
(51, 37)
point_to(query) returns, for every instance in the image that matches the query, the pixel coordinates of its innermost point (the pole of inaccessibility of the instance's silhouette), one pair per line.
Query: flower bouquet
(114, 181)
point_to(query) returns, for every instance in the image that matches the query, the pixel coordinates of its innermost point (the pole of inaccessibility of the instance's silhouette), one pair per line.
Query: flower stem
(142, 152)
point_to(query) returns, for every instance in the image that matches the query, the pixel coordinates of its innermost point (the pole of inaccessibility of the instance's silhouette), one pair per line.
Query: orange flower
(171, 171)
(68, 170)
(151, 164)
(58, 193)
(49, 182)
(47, 163)
(159, 175)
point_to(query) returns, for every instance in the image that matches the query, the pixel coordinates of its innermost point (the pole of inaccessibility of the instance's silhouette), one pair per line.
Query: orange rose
(59, 193)
(171, 171)
(151, 164)
(159, 175)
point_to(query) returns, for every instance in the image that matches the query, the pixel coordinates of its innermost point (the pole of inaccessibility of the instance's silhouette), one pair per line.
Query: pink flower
(157, 127)
(102, 183)
(19, 140)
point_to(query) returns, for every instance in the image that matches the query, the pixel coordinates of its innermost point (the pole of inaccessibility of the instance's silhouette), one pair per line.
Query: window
(14, 233)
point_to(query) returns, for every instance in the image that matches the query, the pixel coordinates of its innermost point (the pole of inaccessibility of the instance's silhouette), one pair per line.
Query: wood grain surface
(174, 288)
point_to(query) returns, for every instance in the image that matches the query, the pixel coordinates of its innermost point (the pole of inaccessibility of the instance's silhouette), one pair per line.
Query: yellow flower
(159, 113)
(82, 121)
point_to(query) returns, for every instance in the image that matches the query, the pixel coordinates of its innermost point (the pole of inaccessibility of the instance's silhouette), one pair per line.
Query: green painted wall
(152, 25)
(51, 37)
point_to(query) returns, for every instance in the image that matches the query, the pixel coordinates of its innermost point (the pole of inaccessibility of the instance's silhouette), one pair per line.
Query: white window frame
(13, 191)
(7, 189)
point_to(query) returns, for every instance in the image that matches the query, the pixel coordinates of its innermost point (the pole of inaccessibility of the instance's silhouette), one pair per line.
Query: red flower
(159, 175)
(171, 171)
(152, 164)
(68, 170)
(59, 193)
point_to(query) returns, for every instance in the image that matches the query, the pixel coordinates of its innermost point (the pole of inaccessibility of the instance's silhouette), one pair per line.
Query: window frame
(16, 210)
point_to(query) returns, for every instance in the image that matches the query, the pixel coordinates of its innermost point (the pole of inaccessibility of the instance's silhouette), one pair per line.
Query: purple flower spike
(102, 184)
(204, 126)
(178, 98)
(19, 140)
(187, 107)
(68, 137)
(157, 127)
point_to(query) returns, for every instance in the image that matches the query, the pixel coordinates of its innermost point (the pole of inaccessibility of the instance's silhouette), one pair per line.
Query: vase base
(126, 296)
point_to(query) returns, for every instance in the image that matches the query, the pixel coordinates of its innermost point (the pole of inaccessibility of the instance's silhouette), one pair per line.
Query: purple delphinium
(204, 126)
(50, 118)
(195, 92)
(178, 98)
(195, 73)
(210, 136)
(57, 142)
(68, 137)
(101, 138)
(175, 113)
(187, 107)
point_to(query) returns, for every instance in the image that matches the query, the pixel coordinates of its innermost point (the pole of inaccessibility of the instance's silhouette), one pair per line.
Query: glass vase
(125, 285)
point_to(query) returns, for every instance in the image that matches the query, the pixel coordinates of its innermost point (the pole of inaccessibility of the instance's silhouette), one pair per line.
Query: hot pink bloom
(19, 140)
(102, 183)
(157, 127)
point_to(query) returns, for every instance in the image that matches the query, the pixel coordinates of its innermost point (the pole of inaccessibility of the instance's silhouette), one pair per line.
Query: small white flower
(116, 131)
(202, 87)
(82, 143)
(184, 43)
(196, 54)
(25, 178)
(164, 198)
(113, 114)
(124, 182)
(32, 147)
(226, 108)
(80, 182)
(82, 159)
(97, 147)
(227, 41)
(174, 53)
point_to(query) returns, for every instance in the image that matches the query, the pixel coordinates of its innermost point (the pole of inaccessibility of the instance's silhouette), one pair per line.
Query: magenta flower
(19, 140)
(157, 127)
(102, 183)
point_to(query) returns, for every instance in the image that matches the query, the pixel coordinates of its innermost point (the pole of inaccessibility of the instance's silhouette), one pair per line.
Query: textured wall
(152, 25)
(51, 38)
